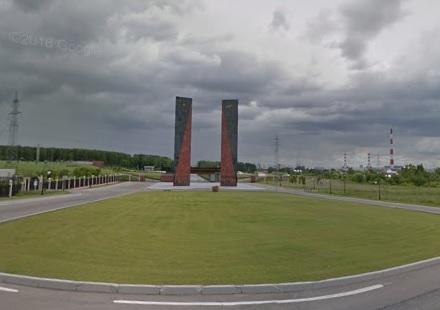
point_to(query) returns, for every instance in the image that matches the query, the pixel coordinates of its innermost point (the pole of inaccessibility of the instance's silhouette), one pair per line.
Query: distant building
(392, 170)
(98, 163)
(7, 173)
(149, 168)
(82, 162)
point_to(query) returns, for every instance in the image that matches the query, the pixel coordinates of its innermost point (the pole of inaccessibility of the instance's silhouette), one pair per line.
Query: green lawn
(215, 238)
(423, 195)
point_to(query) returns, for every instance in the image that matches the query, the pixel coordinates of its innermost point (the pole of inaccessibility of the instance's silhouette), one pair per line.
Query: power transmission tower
(277, 153)
(13, 127)
(13, 124)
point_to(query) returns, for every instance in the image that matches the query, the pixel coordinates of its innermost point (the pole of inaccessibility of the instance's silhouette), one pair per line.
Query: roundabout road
(15, 209)
(418, 288)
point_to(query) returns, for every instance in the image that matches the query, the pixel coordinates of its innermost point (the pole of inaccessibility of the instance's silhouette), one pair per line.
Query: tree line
(110, 158)
(409, 175)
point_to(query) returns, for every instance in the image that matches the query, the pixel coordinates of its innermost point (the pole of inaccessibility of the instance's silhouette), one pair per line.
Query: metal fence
(29, 184)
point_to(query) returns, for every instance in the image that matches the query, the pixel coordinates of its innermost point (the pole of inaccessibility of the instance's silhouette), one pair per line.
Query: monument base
(182, 180)
(163, 186)
(167, 177)
(228, 181)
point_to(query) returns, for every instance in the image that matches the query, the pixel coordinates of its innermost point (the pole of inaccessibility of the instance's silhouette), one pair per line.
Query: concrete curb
(172, 290)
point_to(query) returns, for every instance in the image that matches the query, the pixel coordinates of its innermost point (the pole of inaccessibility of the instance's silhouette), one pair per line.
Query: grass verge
(215, 238)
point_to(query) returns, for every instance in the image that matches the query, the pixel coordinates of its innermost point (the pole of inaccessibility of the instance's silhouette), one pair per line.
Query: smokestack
(345, 167)
(391, 149)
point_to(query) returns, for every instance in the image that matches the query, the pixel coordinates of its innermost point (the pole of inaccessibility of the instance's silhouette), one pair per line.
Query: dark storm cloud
(122, 96)
(364, 20)
(237, 72)
(357, 22)
(101, 90)
(30, 5)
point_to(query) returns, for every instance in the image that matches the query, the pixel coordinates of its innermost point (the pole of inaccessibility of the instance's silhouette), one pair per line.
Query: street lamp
(42, 181)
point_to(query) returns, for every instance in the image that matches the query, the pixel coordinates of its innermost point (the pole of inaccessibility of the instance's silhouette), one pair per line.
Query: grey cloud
(322, 26)
(237, 72)
(364, 20)
(206, 41)
(279, 21)
(30, 5)
(152, 29)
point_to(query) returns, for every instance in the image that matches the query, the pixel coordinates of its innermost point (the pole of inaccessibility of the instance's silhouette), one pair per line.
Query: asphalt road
(20, 208)
(412, 290)
(417, 289)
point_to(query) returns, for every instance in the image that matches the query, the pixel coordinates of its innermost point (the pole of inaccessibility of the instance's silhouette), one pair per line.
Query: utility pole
(277, 160)
(37, 159)
(391, 149)
(380, 194)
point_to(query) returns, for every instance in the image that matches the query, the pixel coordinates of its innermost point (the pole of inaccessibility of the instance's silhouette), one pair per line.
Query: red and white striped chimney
(391, 148)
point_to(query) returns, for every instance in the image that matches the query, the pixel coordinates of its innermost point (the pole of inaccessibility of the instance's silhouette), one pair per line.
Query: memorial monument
(182, 144)
(182, 141)
(228, 173)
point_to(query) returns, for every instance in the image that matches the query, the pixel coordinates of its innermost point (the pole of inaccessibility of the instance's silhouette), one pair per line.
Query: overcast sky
(327, 77)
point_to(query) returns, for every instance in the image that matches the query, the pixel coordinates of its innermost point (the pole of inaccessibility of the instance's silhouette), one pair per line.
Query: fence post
(10, 188)
(379, 191)
(40, 184)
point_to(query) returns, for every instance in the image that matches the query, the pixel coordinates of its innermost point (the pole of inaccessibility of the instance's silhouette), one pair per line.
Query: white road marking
(9, 290)
(244, 303)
